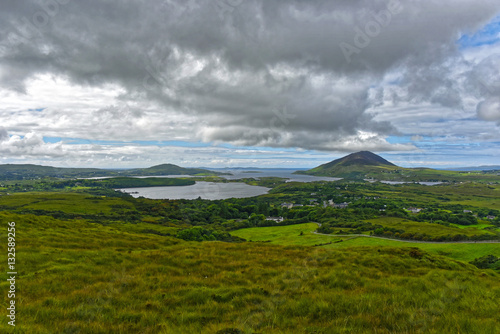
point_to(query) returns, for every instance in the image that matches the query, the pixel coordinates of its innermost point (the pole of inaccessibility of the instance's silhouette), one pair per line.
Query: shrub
(485, 262)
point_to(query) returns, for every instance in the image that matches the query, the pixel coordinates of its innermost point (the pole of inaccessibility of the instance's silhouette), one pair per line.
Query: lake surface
(213, 191)
(240, 173)
(205, 190)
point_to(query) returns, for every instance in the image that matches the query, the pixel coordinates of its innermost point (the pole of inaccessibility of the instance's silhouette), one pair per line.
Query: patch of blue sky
(395, 82)
(410, 139)
(398, 139)
(52, 140)
(252, 150)
(266, 149)
(178, 143)
(425, 141)
(488, 35)
(80, 141)
(174, 143)
(280, 158)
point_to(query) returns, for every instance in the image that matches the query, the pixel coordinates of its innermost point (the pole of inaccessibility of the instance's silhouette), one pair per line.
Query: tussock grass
(73, 203)
(431, 229)
(80, 277)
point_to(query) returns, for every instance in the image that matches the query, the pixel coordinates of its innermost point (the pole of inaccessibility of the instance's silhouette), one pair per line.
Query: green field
(427, 228)
(285, 235)
(473, 227)
(74, 203)
(289, 235)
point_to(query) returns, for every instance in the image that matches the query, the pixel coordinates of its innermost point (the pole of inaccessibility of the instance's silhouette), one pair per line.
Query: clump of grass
(88, 282)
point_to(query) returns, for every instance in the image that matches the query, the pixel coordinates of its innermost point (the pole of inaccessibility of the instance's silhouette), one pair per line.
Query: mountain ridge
(359, 158)
(366, 165)
(353, 166)
(32, 171)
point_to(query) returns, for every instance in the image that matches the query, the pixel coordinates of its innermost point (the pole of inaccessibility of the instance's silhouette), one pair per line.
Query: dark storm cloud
(273, 73)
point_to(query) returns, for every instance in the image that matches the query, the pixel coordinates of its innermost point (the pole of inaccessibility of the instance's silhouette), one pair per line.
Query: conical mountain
(363, 158)
(356, 165)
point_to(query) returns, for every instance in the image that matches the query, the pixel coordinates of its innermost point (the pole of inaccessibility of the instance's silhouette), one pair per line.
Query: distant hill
(363, 158)
(367, 165)
(356, 165)
(477, 168)
(168, 169)
(29, 172)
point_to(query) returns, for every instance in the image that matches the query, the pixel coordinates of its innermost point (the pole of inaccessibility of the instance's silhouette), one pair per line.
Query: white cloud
(268, 73)
(30, 145)
(489, 110)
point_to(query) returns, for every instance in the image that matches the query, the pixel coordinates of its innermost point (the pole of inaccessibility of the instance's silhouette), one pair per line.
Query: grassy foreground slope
(81, 277)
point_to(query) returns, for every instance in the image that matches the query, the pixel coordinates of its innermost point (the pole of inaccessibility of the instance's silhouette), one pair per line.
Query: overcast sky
(265, 83)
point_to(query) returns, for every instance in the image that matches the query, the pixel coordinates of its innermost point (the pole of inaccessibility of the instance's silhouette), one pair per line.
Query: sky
(249, 83)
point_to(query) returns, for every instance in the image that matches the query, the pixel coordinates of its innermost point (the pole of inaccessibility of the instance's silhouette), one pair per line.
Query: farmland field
(290, 235)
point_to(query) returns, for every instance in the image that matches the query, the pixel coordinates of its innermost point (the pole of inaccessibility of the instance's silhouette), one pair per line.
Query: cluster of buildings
(276, 219)
(290, 205)
(330, 203)
(489, 217)
(415, 210)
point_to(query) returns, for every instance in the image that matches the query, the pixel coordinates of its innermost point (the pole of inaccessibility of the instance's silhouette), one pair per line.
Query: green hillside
(168, 169)
(302, 235)
(363, 158)
(82, 277)
(367, 165)
(30, 172)
(353, 166)
(93, 260)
